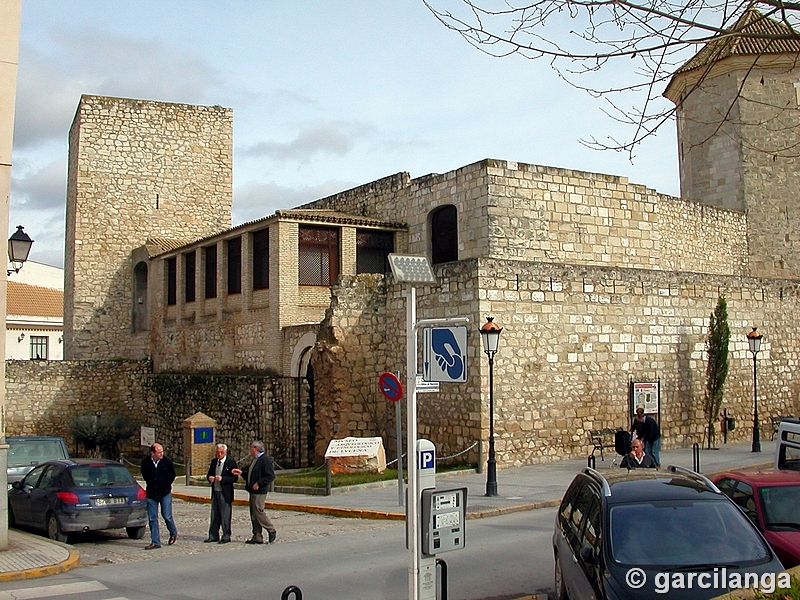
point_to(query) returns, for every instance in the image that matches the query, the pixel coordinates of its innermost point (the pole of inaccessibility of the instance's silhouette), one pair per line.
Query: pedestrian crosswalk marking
(49, 591)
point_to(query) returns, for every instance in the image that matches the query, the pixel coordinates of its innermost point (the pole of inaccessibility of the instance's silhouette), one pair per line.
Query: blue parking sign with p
(427, 459)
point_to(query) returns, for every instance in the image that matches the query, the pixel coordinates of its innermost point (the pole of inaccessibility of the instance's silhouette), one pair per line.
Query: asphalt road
(192, 519)
(328, 558)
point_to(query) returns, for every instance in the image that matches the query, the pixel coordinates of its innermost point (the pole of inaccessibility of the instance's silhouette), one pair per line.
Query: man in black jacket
(257, 481)
(158, 473)
(221, 477)
(646, 429)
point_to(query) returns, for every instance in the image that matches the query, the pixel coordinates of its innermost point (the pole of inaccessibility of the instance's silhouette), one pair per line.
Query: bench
(776, 423)
(600, 439)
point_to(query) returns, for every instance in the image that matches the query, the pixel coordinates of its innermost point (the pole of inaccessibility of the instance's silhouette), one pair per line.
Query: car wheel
(12, 521)
(561, 588)
(136, 533)
(54, 529)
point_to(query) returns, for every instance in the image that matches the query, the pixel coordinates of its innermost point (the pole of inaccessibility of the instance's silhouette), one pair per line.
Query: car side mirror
(588, 556)
(17, 485)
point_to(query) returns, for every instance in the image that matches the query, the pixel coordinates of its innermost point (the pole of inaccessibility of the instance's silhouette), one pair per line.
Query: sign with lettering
(147, 436)
(354, 446)
(646, 395)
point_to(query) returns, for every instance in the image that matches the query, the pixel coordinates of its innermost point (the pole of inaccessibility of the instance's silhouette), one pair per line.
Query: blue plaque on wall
(204, 435)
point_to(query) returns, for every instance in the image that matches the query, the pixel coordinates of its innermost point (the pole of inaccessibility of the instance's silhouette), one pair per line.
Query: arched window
(444, 234)
(141, 307)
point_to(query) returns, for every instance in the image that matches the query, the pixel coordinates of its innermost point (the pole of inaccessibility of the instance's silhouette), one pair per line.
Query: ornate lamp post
(754, 340)
(490, 333)
(19, 246)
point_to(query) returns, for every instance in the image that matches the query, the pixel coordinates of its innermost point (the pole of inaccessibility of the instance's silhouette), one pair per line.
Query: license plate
(108, 501)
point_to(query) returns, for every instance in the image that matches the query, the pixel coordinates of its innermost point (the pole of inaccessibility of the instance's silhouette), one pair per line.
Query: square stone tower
(138, 169)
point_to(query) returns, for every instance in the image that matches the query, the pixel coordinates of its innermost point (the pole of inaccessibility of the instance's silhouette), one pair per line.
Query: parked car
(25, 452)
(648, 523)
(787, 447)
(78, 495)
(771, 499)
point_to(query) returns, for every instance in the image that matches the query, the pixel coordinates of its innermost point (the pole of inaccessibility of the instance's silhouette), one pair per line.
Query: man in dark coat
(257, 481)
(637, 459)
(221, 477)
(158, 473)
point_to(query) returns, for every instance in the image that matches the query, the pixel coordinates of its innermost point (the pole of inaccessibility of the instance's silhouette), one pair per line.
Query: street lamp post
(754, 341)
(490, 333)
(19, 246)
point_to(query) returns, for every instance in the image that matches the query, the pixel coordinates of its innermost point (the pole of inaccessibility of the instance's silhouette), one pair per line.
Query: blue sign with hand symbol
(445, 354)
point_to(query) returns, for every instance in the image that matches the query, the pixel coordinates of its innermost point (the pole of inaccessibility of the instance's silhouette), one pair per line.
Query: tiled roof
(752, 35)
(159, 245)
(332, 216)
(35, 301)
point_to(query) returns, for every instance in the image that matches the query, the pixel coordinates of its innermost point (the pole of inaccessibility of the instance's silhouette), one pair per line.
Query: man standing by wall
(647, 430)
(257, 481)
(158, 473)
(221, 477)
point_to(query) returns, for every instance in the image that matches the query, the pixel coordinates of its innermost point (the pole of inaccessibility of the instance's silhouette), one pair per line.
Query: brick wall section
(137, 169)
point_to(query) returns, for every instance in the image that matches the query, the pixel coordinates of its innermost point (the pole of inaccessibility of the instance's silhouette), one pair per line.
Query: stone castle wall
(42, 397)
(137, 170)
(551, 215)
(573, 338)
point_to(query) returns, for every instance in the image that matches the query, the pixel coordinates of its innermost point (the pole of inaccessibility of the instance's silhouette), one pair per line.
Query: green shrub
(100, 435)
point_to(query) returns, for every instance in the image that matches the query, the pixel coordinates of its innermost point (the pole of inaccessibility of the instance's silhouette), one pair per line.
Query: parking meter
(444, 514)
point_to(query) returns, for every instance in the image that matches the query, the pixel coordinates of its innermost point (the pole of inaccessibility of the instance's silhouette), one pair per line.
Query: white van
(787, 447)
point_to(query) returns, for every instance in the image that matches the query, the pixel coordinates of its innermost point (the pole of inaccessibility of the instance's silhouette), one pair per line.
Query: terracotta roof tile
(752, 35)
(32, 300)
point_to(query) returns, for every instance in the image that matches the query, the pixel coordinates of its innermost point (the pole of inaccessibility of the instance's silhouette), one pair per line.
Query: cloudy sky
(326, 94)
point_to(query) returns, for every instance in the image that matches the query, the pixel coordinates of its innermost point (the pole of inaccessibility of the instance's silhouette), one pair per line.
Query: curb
(357, 513)
(72, 561)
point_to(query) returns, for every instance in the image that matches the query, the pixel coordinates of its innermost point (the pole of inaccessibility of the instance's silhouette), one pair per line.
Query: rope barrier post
(479, 468)
(328, 483)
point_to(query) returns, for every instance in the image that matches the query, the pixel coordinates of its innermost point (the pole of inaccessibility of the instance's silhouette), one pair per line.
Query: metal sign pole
(398, 416)
(412, 517)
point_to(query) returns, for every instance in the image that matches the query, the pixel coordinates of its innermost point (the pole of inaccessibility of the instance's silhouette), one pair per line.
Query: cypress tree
(719, 334)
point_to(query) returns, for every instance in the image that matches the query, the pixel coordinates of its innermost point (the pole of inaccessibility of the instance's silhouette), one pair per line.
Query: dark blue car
(78, 495)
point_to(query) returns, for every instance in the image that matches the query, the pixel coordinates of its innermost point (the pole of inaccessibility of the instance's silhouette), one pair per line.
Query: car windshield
(780, 504)
(100, 475)
(33, 452)
(684, 533)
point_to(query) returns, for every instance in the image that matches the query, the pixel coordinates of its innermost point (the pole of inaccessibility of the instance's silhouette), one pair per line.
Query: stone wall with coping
(43, 396)
(514, 210)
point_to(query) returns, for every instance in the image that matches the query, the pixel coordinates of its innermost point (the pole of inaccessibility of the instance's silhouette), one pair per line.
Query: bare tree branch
(580, 38)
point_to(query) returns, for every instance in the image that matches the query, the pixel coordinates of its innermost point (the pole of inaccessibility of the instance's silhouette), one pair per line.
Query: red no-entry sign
(390, 386)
